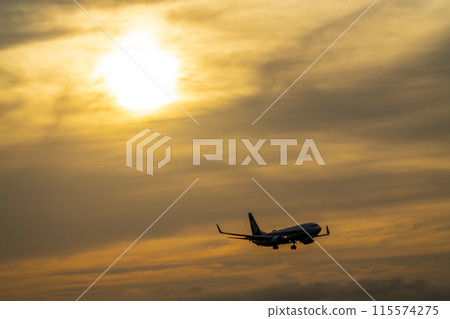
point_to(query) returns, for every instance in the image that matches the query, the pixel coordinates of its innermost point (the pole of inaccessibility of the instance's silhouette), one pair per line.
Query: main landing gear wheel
(293, 247)
(275, 247)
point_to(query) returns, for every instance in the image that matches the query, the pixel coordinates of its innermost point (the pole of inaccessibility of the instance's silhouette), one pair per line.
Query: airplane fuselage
(289, 235)
(304, 233)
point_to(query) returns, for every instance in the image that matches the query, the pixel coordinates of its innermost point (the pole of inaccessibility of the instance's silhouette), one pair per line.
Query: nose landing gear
(293, 247)
(275, 247)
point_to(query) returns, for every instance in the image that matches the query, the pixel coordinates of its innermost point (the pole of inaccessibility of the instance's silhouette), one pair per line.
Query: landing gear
(275, 247)
(293, 247)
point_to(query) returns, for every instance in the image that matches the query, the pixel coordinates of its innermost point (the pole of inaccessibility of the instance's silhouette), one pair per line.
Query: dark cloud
(27, 21)
(394, 288)
(386, 105)
(384, 289)
(20, 25)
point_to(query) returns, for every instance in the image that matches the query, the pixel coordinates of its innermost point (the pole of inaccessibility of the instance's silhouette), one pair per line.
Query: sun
(126, 80)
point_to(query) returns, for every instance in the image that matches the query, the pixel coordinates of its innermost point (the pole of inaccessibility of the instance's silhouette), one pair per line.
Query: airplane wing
(243, 236)
(328, 232)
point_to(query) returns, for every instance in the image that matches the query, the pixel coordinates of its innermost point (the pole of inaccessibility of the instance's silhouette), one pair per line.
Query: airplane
(304, 233)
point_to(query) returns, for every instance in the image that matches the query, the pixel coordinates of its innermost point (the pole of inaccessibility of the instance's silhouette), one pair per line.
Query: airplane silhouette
(304, 233)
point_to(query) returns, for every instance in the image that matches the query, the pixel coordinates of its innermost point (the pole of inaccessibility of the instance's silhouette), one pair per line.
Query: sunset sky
(376, 105)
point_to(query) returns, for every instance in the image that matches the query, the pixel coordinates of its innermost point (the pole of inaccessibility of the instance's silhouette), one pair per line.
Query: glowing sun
(129, 84)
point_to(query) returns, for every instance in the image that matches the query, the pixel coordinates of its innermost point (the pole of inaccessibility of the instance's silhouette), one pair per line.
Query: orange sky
(376, 105)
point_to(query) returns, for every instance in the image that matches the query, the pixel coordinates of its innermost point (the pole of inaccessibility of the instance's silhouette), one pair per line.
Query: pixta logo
(308, 148)
(142, 141)
(146, 141)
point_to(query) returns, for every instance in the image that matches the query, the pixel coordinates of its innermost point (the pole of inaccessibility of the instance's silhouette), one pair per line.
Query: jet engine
(307, 240)
(275, 239)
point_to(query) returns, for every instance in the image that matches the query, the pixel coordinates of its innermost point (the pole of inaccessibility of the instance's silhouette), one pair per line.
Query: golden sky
(376, 105)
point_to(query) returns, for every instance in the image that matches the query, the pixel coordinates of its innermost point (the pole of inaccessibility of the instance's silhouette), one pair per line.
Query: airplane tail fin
(254, 225)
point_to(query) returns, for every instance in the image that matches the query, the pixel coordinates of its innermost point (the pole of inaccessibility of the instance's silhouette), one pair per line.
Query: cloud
(176, 269)
(375, 105)
(389, 289)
